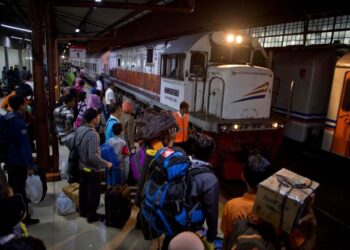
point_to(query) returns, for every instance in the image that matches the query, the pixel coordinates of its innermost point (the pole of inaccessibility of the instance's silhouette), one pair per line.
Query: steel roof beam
(118, 5)
(83, 21)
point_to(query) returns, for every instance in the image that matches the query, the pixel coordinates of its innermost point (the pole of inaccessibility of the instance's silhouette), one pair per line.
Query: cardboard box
(75, 197)
(72, 192)
(282, 198)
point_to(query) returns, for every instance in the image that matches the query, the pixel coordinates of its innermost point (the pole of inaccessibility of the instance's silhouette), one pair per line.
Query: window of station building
(346, 97)
(342, 36)
(198, 63)
(294, 27)
(149, 59)
(321, 24)
(273, 41)
(293, 40)
(319, 38)
(274, 30)
(342, 22)
(173, 66)
(307, 32)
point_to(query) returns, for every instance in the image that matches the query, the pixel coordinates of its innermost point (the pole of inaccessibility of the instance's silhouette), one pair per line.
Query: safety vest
(182, 123)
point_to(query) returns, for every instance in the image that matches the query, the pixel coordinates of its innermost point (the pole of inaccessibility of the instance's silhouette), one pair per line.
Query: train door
(341, 141)
(216, 95)
(197, 77)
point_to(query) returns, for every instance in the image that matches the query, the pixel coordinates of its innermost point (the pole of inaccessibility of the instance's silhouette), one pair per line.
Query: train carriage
(310, 70)
(336, 136)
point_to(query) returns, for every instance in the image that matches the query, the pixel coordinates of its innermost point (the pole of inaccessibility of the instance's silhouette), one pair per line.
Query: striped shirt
(89, 149)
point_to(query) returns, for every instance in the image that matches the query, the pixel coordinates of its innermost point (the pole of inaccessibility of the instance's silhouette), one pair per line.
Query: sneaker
(30, 222)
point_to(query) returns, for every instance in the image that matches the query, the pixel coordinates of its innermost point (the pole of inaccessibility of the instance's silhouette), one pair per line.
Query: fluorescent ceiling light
(15, 28)
(20, 38)
(98, 1)
(77, 30)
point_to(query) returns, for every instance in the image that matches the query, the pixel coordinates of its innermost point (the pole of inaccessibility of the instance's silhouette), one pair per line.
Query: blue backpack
(166, 206)
(114, 176)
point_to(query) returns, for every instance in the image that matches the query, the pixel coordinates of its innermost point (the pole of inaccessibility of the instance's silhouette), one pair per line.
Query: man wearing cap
(90, 164)
(19, 159)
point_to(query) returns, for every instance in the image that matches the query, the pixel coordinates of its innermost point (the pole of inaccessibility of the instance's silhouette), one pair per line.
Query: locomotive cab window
(149, 56)
(346, 98)
(198, 64)
(173, 66)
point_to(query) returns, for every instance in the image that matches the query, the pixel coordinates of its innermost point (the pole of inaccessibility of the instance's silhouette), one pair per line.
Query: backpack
(165, 205)
(114, 176)
(73, 161)
(249, 235)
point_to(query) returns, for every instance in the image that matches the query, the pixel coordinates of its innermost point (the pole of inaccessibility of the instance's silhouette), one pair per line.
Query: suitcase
(118, 205)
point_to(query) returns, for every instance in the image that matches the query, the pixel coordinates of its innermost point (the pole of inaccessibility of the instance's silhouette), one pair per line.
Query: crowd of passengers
(100, 116)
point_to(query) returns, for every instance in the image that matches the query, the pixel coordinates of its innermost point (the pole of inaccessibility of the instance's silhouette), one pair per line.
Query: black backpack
(73, 160)
(249, 235)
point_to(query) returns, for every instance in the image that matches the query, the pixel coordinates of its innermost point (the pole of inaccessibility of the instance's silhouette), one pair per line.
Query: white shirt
(109, 95)
(99, 85)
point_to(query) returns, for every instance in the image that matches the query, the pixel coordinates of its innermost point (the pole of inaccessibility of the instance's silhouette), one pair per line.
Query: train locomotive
(223, 76)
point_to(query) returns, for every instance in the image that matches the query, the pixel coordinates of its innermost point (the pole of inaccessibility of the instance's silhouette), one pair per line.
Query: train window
(173, 66)
(346, 98)
(230, 55)
(149, 56)
(119, 62)
(198, 64)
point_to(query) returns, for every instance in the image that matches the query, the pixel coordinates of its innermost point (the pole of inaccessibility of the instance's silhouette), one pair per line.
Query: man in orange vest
(182, 120)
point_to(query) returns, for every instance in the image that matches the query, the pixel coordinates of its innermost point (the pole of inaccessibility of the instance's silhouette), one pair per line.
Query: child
(120, 148)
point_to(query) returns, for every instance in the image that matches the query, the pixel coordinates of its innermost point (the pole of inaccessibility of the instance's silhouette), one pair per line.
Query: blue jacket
(109, 125)
(19, 151)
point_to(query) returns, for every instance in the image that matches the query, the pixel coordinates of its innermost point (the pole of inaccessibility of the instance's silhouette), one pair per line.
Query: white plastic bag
(34, 188)
(64, 205)
(64, 169)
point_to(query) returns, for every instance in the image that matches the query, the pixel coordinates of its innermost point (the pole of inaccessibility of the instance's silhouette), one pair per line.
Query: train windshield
(230, 54)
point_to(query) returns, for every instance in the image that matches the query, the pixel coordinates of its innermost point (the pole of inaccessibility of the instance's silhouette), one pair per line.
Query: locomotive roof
(183, 44)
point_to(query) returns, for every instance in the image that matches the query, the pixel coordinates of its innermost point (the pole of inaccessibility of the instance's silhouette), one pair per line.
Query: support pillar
(36, 13)
(52, 74)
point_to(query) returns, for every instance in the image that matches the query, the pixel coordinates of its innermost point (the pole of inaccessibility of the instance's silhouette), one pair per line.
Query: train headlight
(236, 126)
(239, 39)
(275, 124)
(230, 38)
